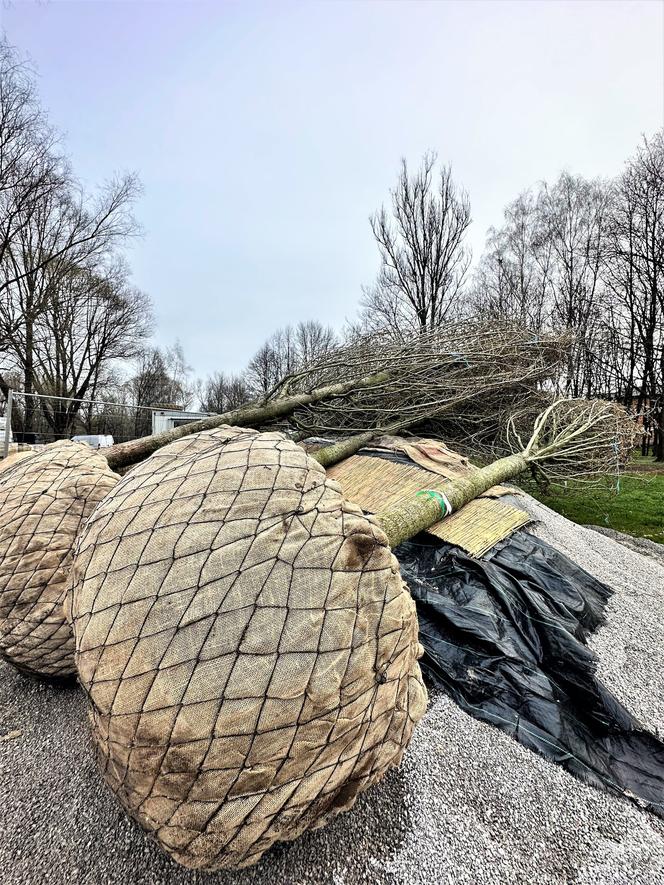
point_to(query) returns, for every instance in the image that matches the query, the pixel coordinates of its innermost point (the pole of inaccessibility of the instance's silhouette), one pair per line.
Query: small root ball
(247, 645)
(44, 500)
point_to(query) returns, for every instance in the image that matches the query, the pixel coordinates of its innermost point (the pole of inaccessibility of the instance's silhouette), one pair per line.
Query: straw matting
(480, 525)
(377, 484)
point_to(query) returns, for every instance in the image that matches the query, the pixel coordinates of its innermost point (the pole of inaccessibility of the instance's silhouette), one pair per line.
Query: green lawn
(636, 508)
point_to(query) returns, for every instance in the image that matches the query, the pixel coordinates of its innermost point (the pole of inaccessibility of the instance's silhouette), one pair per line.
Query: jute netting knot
(44, 500)
(247, 645)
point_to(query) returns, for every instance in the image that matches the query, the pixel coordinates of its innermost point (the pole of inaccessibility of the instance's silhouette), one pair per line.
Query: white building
(167, 419)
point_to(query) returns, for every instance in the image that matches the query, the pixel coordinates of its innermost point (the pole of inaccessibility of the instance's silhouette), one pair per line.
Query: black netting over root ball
(247, 645)
(44, 500)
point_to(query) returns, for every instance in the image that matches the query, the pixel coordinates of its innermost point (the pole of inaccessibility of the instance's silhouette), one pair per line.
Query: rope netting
(247, 645)
(44, 500)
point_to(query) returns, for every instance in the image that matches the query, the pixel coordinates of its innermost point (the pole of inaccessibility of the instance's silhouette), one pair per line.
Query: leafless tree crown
(424, 259)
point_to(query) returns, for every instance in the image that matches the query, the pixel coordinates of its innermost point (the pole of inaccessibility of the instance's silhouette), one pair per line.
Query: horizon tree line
(587, 256)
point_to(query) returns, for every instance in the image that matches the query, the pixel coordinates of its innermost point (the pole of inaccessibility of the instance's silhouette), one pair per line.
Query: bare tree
(36, 180)
(512, 280)
(287, 351)
(89, 323)
(52, 234)
(424, 259)
(31, 167)
(544, 268)
(149, 385)
(263, 370)
(222, 393)
(635, 274)
(313, 341)
(181, 388)
(574, 217)
(45, 254)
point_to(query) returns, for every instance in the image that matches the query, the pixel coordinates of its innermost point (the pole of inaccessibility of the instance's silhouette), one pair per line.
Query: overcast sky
(266, 133)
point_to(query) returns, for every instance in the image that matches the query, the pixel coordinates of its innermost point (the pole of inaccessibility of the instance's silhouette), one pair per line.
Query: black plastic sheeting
(506, 635)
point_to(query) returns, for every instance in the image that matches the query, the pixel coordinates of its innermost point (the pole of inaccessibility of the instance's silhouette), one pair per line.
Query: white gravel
(469, 804)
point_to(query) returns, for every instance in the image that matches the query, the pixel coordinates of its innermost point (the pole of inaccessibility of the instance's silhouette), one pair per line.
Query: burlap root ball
(247, 645)
(44, 500)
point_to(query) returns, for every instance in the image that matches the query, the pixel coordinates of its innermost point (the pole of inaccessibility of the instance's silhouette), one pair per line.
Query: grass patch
(637, 508)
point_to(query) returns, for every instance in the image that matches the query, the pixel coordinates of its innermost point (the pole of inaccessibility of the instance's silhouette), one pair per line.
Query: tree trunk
(658, 444)
(426, 508)
(419, 513)
(29, 377)
(340, 451)
(125, 454)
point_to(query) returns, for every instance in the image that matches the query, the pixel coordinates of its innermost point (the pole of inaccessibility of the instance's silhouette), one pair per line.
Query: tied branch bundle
(471, 368)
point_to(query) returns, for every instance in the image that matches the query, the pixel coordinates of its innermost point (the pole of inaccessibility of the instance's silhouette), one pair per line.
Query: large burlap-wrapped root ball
(247, 644)
(44, 500)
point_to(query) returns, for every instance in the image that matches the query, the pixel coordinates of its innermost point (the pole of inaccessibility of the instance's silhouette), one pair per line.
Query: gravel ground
(640, 545)
(468, 805)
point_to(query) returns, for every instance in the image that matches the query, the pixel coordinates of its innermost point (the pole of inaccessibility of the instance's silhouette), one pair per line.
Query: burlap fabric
(44, 500)
(247, 645)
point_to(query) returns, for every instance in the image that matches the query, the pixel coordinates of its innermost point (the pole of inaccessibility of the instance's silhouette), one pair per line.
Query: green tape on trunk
(443, 503)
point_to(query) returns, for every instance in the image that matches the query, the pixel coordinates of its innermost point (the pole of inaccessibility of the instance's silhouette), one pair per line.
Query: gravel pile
(468, 805)
(640, 545)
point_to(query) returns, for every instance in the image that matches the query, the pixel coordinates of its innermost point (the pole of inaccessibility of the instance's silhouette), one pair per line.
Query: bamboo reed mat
(376, 484)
